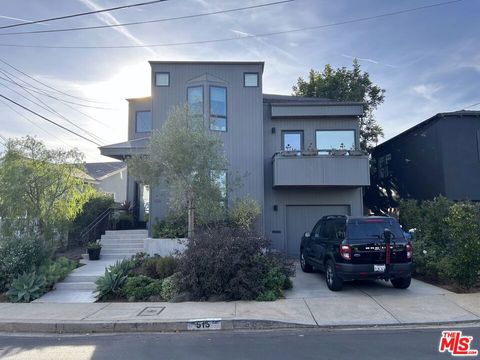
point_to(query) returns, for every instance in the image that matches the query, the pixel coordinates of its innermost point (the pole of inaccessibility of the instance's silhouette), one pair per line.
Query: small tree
(343, 84)
(184, 156)
(42, 188)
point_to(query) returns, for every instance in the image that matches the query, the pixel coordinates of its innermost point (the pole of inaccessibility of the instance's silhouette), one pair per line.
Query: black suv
(355, 248)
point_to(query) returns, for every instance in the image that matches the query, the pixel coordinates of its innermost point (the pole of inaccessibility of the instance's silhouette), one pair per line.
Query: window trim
(203, 99)
(302, 138)
(164, 73)
(136, 121)
(251, 73)
(210, 108)
(324, 130)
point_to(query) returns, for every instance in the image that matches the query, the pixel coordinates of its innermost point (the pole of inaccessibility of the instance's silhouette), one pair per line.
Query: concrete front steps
(79, 286)
(119, 244)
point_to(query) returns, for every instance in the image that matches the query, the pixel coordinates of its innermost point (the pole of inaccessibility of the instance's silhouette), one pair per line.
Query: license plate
(204, 324)
(379, 268)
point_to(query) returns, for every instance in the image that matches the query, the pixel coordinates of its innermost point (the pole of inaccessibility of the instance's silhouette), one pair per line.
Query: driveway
(378, 302)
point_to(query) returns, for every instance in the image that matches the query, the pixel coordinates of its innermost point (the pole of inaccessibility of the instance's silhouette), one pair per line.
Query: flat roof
(232, 62)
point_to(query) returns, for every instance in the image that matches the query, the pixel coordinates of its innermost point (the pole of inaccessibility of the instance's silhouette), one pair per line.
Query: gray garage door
(301, 218)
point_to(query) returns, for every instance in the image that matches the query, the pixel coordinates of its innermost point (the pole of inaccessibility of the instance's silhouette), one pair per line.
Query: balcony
(336, 168)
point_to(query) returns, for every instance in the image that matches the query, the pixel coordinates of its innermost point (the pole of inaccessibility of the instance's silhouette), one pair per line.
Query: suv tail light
(409, 249)
(346, 252)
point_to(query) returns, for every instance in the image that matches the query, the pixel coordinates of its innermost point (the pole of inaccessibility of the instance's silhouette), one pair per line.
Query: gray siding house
(439, 156)
(299, 156)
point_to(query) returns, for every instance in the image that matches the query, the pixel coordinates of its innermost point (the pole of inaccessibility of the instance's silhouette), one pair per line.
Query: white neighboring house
(110, 178)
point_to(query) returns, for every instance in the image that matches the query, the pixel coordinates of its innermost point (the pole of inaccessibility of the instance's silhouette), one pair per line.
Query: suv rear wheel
(306, 267)
(334, 283)
(401, 283)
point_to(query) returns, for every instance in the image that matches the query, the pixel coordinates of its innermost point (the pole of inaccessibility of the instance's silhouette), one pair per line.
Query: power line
(82, 14)
(46, 85)
(49, 109)
(50, 121)
(470, 106)
(148, 21)
(247, 36)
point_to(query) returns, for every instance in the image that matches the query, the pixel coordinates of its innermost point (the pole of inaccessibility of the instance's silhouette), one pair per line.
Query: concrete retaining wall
(163, 247)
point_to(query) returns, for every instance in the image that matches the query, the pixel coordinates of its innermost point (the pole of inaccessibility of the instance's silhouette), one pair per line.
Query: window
(218, 108)
(335, 139)
(292, 140)
(219, 178)
(143, 121)
(250, 79)
(195, 101)
(162, 79)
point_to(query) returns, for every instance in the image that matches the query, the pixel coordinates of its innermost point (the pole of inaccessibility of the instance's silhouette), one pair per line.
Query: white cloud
(427, 91)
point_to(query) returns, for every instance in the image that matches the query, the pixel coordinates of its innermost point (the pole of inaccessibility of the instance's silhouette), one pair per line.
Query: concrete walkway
(309, 303)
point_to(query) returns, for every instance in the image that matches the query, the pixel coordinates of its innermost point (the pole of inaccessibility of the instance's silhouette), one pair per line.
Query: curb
(82, 327)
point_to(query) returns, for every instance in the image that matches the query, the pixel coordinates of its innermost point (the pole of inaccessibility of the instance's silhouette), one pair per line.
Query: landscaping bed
(218, 264)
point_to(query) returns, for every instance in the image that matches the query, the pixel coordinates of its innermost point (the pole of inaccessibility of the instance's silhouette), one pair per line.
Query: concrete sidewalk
(349, 308)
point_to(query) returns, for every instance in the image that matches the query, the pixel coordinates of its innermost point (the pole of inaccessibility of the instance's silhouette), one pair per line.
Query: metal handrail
(95, 222)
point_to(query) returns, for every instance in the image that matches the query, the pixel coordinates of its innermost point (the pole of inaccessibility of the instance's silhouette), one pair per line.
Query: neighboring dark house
(301, 154)
(439, 156)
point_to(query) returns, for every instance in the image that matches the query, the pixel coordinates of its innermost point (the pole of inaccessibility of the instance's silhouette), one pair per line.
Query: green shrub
(110, 284)
(26, 287)
(136, 287)
(267, 295)
(227, 263)
(93, 208)
(158, 267)
(57, 270)
(169, 288)
(19, 254)
(244, 212)
(155, 288)
(173, 225)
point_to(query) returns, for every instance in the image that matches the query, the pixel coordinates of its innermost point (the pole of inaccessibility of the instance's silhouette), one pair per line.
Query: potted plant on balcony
(93, 250)
(340, 152)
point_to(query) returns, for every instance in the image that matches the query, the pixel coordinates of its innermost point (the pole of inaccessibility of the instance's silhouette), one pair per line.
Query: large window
(218, 108)
(292, 140)
(335, 139)
(143, 121)
(195, 101)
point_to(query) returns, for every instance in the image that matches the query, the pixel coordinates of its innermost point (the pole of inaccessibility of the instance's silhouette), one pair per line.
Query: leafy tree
(343, 84)
(42, 189)
(184, 157)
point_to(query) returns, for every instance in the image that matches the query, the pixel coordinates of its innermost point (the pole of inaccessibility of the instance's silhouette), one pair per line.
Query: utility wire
(247, 36)
(46, 85)
(50, 121)
(82, 14)
(51, 110)
(149, 21)
(470, 106)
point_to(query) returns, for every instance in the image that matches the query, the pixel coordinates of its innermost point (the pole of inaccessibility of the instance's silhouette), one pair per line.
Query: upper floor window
(335, 139)
(218, 108)
(162, 79)
(143, 121)
(292, 140)
(250, 79)
(195, 101)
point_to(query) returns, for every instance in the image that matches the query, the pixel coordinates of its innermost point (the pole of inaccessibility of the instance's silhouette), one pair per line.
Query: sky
(428, 61)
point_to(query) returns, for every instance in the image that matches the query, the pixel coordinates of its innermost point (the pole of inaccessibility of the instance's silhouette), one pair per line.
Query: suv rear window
(373, 228)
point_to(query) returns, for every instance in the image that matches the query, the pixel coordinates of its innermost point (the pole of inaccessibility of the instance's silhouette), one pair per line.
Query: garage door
(302, 218)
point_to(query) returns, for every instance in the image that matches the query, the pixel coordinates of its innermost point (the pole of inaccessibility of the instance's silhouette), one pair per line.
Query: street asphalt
(278, 344)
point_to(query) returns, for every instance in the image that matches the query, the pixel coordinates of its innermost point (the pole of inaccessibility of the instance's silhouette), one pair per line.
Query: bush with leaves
(244, 212)
(110, 284)
(446, 240)
(169, 287)
(57, 270)
(173, 225)
(226, 263)
(26, 287)
(19, 254)
(141, 288)
(157, 267)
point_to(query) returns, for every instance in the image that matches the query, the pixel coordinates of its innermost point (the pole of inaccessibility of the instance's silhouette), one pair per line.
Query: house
(439, 156)
(301, 154)
(110, 178)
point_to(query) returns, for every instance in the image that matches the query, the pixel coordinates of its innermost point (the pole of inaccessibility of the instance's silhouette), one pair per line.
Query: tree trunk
(191, 214)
